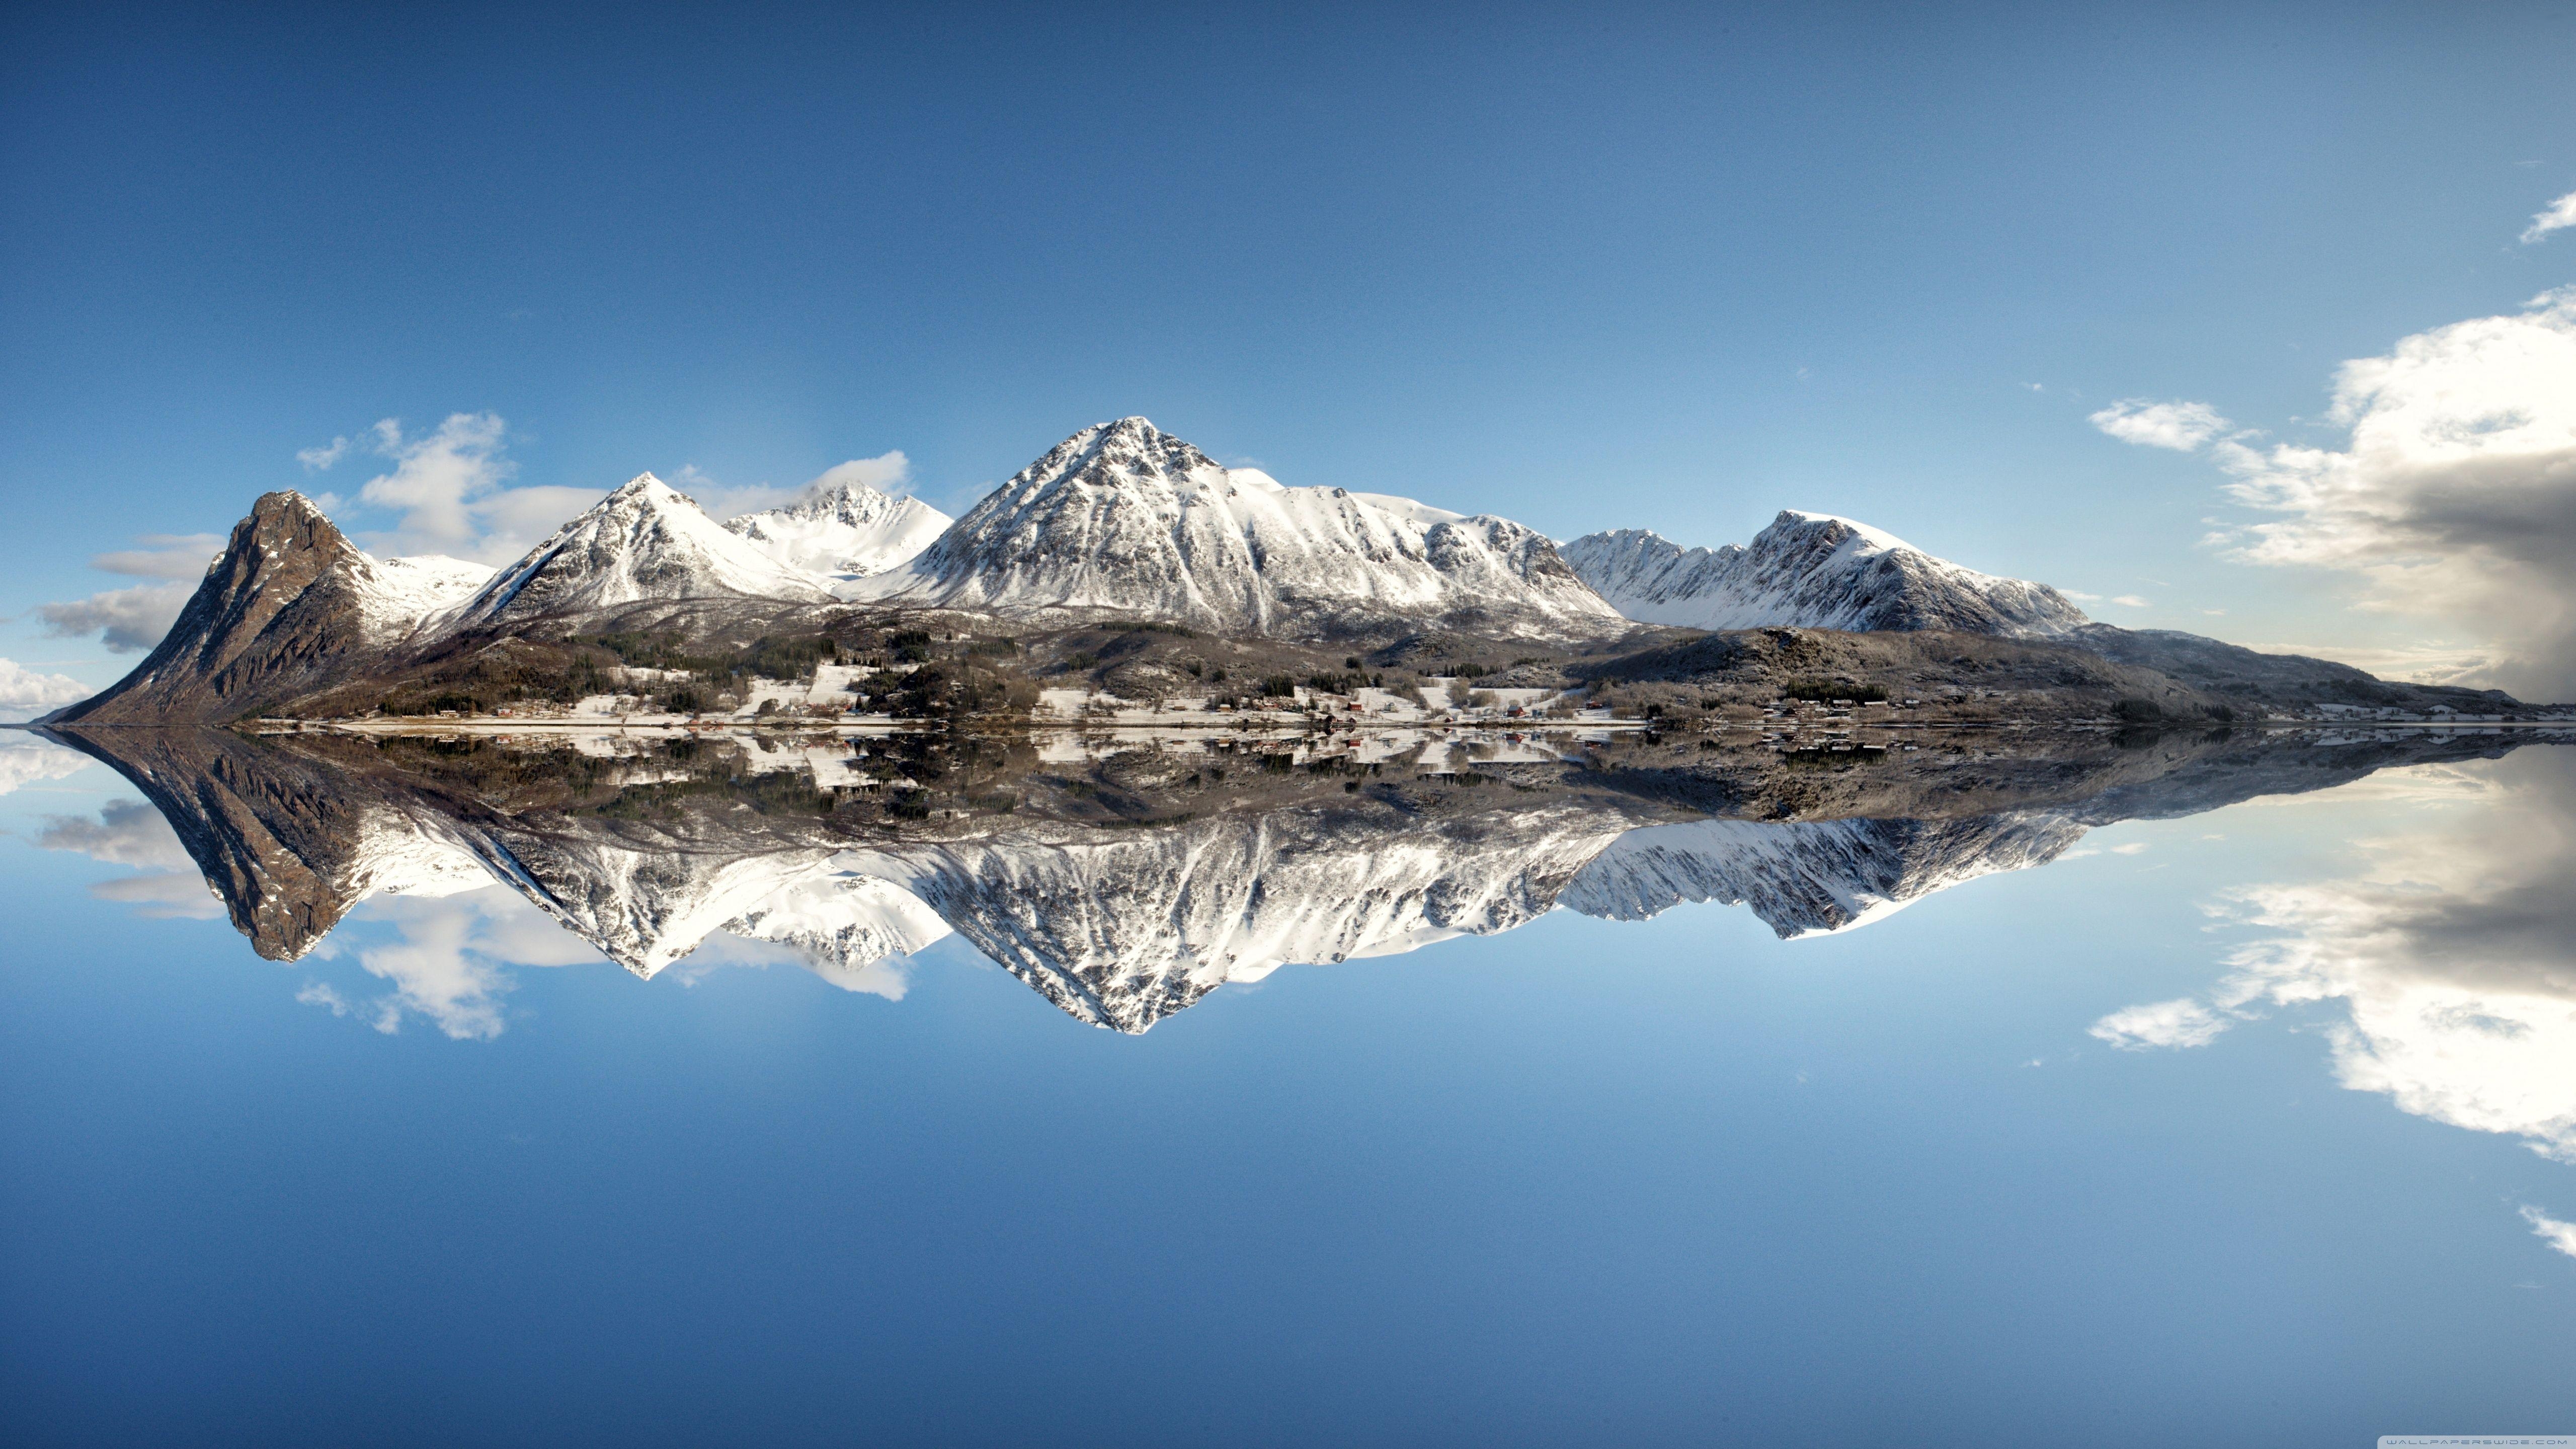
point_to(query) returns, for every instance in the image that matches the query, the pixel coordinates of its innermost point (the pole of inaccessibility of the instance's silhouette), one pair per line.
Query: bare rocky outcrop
(281, 613)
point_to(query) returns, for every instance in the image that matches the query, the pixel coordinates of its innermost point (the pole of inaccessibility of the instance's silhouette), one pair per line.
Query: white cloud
(514, 520)
(2181, 426)
(128, 621)
(131, 620)
(385, 1014)
(2557, 216)
(26, 759)
(448, 963)
(164, 556)
(126, 832)
(447, 487)
(24, 693)
(2447, 955)
(2453, 498)
(2556, 1234)
(169, 895)
(317, 460)
(436, 484)
(2182, 1023)
(887, 976)
(2129, 601)
(889, 472)
(438, 971)
(2134, 847)
(731, 500)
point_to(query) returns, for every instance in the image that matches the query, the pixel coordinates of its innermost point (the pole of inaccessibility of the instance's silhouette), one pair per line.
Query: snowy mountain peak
(1125, 520)
(1812, 570)
(843, 532)
(646, 541)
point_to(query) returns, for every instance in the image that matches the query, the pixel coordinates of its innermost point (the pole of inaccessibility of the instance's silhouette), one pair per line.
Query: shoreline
(675, 725)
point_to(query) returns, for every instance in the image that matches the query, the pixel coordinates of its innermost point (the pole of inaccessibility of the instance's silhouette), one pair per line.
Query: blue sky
(1618, 266)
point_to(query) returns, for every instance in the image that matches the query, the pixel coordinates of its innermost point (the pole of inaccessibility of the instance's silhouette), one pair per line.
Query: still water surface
(2223, 1115)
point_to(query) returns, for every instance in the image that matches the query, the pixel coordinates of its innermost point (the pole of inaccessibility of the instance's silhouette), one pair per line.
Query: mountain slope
(1809, 878)
(287, 608)
(643, 542)
(843, 533)
(843, 925)
(288, 844)
(1812, 570)
(1121, 929)
(1123, 520)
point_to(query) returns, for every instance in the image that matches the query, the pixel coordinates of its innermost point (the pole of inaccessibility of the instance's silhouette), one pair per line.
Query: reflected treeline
(1124, 877)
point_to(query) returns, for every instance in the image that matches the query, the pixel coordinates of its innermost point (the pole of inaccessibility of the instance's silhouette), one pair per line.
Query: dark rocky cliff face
(277, 836)
(275, 617)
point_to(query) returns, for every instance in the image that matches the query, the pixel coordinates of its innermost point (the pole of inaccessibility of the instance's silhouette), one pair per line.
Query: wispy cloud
(2129, 601)
(319, 460)
(132, 834)
(163, 556)
(2559, 1235)
(2181, 426)
(2557, 216)
(133, 619)
(2430, 661)
(2179, 1023)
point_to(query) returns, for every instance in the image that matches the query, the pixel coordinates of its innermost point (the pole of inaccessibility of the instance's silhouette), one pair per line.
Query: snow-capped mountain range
(1120, 522)
(1117, 928)
(1124, 520)
(843, 533)
(1814, 571)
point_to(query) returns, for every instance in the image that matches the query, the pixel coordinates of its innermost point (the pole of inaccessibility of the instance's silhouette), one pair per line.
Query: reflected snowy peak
(1124, 877)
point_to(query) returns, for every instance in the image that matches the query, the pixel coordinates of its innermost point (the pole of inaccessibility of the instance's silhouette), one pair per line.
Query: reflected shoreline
(1124, 874)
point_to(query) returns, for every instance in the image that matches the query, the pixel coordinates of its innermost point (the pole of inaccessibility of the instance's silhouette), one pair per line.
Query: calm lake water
(2142, 1123)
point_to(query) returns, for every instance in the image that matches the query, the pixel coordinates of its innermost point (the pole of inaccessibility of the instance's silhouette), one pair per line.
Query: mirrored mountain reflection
(1124, 877)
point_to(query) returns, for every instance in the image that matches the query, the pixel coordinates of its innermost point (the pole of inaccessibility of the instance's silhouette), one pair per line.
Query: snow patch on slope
(843, 533)
(845, 927)
(397, 595)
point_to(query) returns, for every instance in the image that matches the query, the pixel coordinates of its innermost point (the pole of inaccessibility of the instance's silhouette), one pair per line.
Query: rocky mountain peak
(645, 541)
(281, 603)
(1812, 570)
(1125, 520)
(1128, 453)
